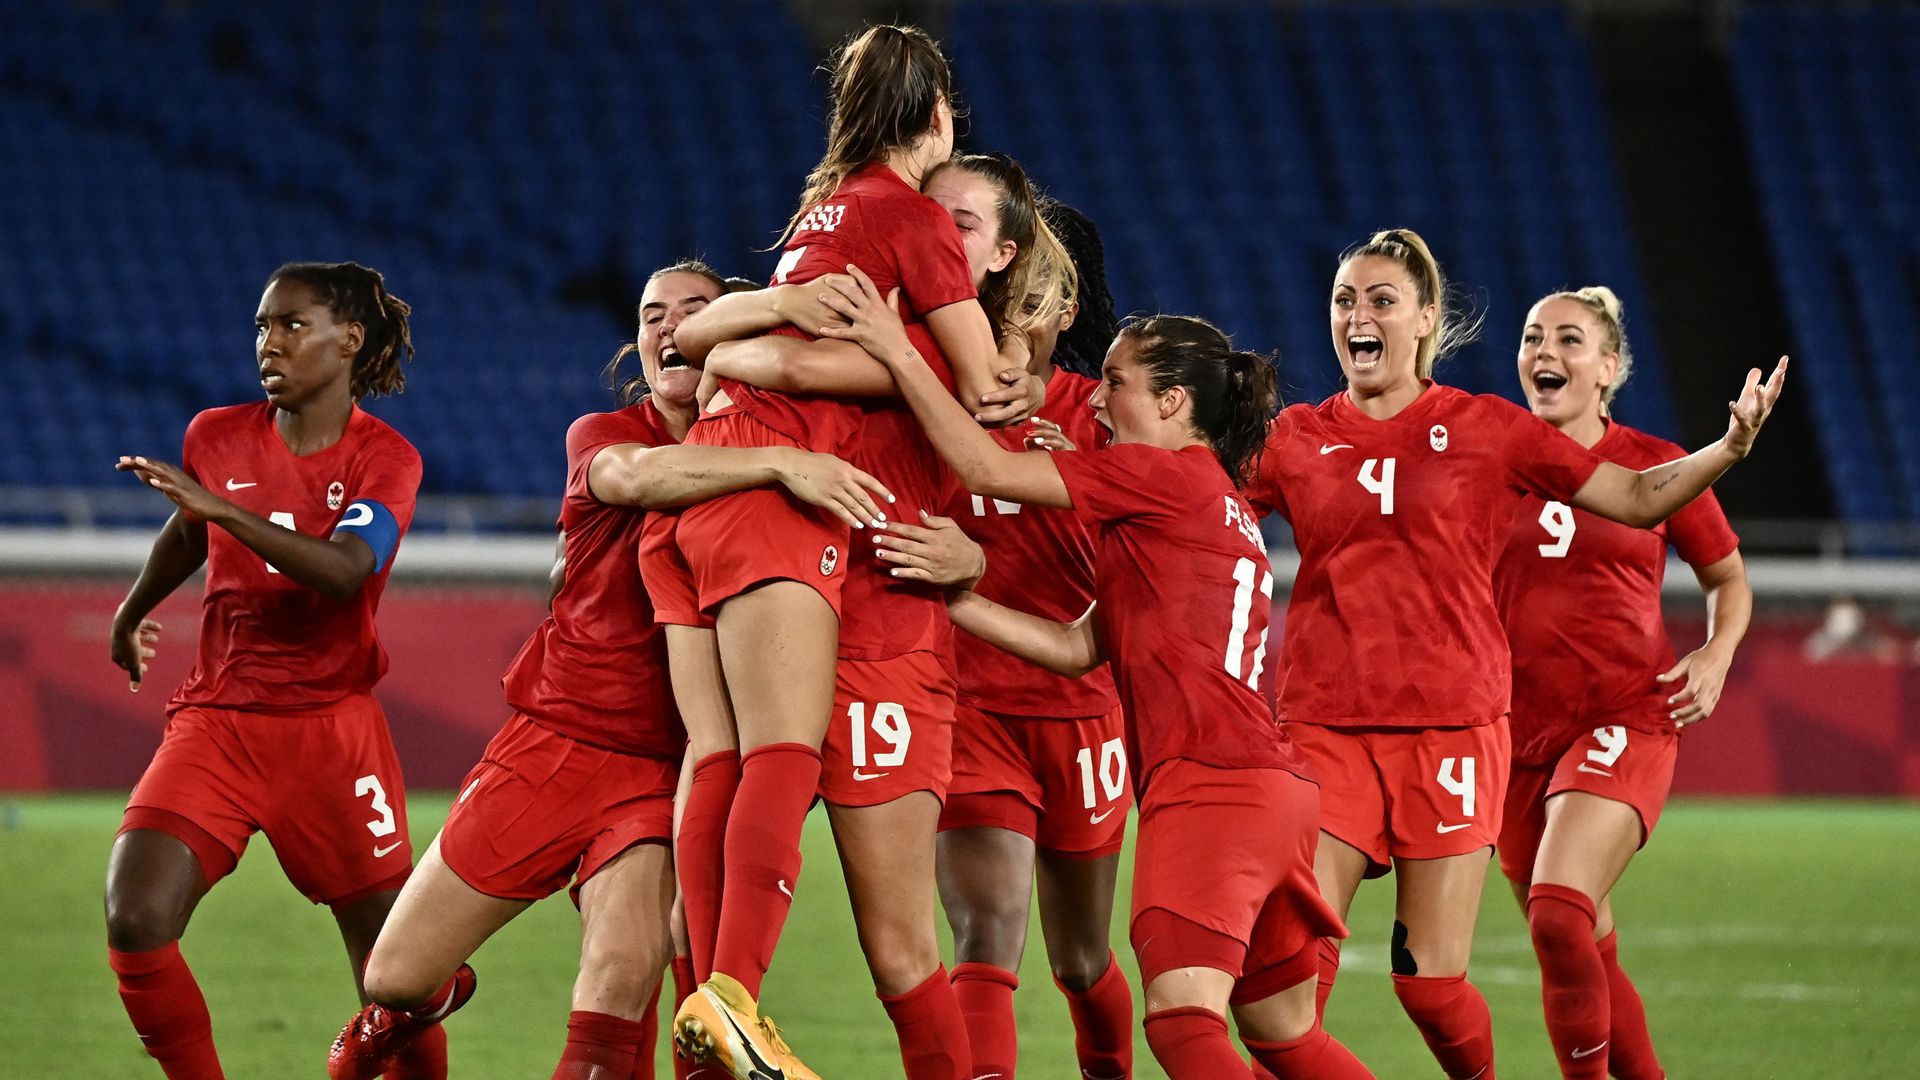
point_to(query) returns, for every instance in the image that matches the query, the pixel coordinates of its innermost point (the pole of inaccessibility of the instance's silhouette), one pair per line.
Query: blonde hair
(1452, 328)
(886, 84)
(1607, 311)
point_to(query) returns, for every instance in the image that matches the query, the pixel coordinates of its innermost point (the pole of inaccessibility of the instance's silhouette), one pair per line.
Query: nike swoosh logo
(1326, 448)
(1584, 767)
(469, 791)
(1451, 828)
(1577, 1053)
(383, 852)
(784, 889)
(1102, 815)
(233, 485)
(759, 1066)
(858, 775)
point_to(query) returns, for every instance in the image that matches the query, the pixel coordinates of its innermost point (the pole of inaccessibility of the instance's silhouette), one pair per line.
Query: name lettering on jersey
(336, 494)
(1238, 518)
(1437, 437)
(822, 218)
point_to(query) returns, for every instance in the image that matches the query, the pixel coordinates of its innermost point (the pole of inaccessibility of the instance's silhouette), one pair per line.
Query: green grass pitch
(1769, 940)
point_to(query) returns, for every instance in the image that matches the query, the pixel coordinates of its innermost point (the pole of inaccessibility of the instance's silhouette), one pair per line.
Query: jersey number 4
(1376, 475)
(1237, 663)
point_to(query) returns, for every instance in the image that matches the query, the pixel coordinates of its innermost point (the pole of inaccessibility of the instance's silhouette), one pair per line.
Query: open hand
(175, 484)
(1702, 674)
(871, 320)
(826, 481)
(1754, 404)
(935, 551)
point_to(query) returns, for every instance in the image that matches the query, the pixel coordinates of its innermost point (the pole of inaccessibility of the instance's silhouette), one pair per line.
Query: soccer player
(768, 570)
(1039, 771)
(1598, 699)
(1394, 673)
(275, 729)
(578, 787)
(1225, 911)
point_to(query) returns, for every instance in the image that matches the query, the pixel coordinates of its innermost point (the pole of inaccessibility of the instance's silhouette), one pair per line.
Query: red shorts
(892, 730)
(542, 809)
(1223, 876)
(665, 573)
(1060, 783)
(324, 786)
(763, 534)
(1618, 763)
(1409, 793)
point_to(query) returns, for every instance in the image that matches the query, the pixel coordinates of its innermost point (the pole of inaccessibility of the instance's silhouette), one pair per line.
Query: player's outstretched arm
(179, 550)
(331, 566)
(1070, 649)
(745, 314)
(1699, 676)
(793, 366)
(995, 385)
(1646, 498)
(655, 477)
(983, 465)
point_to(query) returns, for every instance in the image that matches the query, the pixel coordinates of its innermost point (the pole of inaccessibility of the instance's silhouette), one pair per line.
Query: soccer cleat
(719, 1024)
(370, 1042)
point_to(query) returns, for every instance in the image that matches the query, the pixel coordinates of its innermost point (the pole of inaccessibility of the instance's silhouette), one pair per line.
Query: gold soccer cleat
(719, 1024)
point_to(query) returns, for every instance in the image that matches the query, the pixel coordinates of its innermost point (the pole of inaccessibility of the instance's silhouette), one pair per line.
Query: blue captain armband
(374, 524)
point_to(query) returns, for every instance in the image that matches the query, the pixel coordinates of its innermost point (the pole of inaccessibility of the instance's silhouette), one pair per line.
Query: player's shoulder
(1636, 448)
(227, 419)
(380, 437)
(639, 422)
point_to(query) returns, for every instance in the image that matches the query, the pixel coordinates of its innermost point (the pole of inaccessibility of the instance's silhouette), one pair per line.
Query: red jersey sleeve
(390, 476)
(591, 434)
(1540, 457)
(933, 266)
(1700, 532)
(1122, 481)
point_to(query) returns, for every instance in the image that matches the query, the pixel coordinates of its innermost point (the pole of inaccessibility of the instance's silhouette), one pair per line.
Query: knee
(1079, 965)
(139, 922)
(390, 981)
(989, 933)
(1560, 919)
(900, 958)
(618, 977)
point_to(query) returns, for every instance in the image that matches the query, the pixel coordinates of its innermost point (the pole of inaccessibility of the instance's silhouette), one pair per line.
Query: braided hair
(355, 293)
(1083, 346)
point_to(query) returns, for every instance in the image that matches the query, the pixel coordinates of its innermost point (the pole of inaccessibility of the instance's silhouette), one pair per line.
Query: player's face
(974, 202)
(303, 353)
(1124, 401)
(664, 304)
(1377, 322)
(1562, 367)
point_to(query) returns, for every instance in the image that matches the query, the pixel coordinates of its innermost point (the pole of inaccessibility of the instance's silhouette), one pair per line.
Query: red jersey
(1580, 596)
(267, 642)
(596, 669)
(1038, 559)
(1399, 523)
(901, 239)
(1184, 584)
(882, 617)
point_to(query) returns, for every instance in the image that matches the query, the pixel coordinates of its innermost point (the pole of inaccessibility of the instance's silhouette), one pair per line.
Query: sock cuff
(1261, 1046)
(1098, 985)
(603, 1029)
(780, 748)
(143, 962)
(717, 759)
(1181, 1012)
(1428, 987)
(1609, 946)
(977, 972)
(925, 986)
(1574, 898)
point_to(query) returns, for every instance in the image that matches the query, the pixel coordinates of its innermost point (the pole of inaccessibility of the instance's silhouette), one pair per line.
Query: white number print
(370, 785)
(1236, 659)
(284, 519)
(786, 264)
(1613, 743)
(1113, 772)
(822, 218)
(1557, 519)
(1458, 782)
(980, 506)
(1381, 485)
(889, 722)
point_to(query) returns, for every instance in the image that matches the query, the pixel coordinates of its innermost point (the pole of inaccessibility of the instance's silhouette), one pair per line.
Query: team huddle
(929, 421)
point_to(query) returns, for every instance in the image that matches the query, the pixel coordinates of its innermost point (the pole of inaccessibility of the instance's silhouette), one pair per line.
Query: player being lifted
(295, 505)
(1598, 699)
(1394, 673)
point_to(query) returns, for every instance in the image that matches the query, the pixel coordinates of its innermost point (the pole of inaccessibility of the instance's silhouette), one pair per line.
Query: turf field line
(1499, 975)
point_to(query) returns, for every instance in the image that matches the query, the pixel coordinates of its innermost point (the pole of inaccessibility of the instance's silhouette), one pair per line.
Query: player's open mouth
(670, 359)
(1364, 350)
(1546, 382)
(271, 379)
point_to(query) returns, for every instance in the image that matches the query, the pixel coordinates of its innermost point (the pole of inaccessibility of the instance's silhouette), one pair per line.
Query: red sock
(933, 1037)
(777, 784)
(1191, 1043)
(1329, 971)
(683, 984)
(425, 1056)
(985, 996)
(649, 1038)
(1453, 1018)
(167, 1011)
(1573, 981)
(1313, 1056)
(1102, 1025)
(1630, 1053)
(599, 1047)
(699, 853)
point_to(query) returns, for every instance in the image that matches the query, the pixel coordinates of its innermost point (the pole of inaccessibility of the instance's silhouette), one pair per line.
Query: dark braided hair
(630, 390)
(1234, 392)
(1083, 346)
(356, 293)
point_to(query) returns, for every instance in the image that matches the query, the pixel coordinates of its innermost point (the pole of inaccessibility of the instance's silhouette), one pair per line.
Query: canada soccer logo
(336, 494)
(829, 559)
(1437, 437)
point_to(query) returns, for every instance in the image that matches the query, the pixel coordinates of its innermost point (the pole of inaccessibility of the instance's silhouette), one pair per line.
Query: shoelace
(773, 1036)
